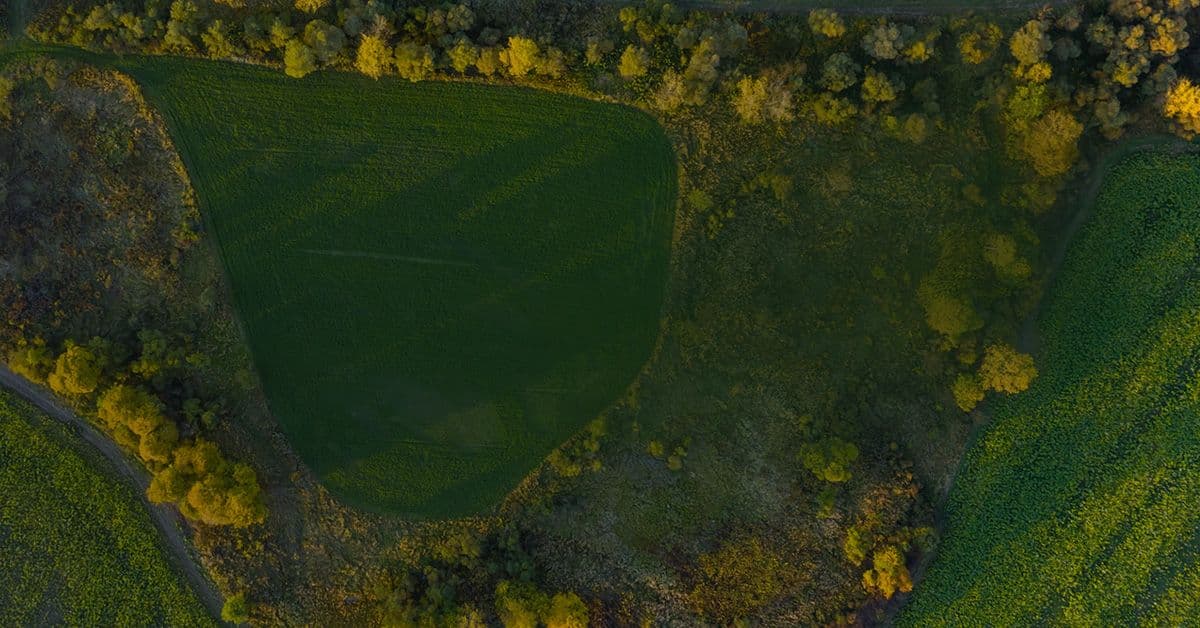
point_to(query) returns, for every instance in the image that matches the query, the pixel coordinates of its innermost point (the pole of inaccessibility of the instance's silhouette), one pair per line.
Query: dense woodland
(864, 224)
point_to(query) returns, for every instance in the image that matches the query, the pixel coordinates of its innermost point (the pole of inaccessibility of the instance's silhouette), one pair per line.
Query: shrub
(1006, 370)
(76, 372)
(737, 580)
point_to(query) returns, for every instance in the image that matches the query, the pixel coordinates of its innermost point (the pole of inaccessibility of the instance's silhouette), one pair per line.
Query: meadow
(76, 545)
(439, 282)
(1076, 506)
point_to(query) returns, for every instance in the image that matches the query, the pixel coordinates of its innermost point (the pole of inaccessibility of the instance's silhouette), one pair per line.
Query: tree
(157, 446)
(488, 62)
(968, 391)
(597, 48)
(311, 6)
(77, 371)
(374, 56)
(463, 55)
(1182, 105)
(31, 360)
(1006, 370)
(1030, 43)
(877, 88)
(751, 99)
(839, 72)
(414, 61)
(552, 63)
(325, 39)
(884, 41)
(978, 45)
(298, 59)
(235, 610)
(826, 23)
(519, 604)
(459, 18)
(217, 40)
(830, 110)
(888, 574)
(946, 314)
(635, 62)
(1000, 251)
(566, 610)
(135, 417)
(1051, 143)
(208, 488)
(521, 56)
(181, 27)
(829, 459)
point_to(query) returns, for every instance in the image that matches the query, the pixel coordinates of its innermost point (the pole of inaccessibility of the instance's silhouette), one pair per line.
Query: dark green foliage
(443, 291)
(1077, 506)
(235, 610)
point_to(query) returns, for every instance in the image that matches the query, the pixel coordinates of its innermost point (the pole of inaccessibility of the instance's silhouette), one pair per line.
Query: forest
(819, 370)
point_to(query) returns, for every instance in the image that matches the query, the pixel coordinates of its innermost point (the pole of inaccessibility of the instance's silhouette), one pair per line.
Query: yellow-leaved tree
(374, 56)
(1183, 106)
(1051, 143)
(1006, 370)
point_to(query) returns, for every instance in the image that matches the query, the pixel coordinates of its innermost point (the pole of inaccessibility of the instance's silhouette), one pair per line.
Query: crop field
(76, 546)
(1077, 506)
(440, 282)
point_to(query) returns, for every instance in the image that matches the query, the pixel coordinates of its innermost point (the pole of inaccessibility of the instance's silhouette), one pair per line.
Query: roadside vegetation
(74, 541)
(1076, 506)
(95, 242)
(866, 207)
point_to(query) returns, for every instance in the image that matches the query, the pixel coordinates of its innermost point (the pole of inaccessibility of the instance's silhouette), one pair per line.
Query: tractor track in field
(166, 519)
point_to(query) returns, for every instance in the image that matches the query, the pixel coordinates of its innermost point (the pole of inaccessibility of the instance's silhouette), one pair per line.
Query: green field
(440, 282)
(76, 546)
(1078, 505)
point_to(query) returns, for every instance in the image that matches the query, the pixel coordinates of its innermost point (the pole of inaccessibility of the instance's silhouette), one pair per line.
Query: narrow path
(166, 518)
(18, 17)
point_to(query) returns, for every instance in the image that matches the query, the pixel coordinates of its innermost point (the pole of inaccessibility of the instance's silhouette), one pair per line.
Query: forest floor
(166, 518)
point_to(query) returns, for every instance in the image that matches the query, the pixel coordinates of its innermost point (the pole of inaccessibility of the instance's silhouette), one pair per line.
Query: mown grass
(439, 282)
(1078, 505)
(76, 546)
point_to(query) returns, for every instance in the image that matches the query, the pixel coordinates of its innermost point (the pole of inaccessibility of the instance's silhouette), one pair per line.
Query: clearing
(439, 282)
(74, 542)
(1077, 505)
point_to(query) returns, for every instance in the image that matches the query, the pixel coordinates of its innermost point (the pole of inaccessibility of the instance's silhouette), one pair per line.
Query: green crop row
(76, 547)
(1077, 506)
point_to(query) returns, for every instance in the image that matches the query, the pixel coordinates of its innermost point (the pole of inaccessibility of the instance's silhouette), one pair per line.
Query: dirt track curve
(167, 519)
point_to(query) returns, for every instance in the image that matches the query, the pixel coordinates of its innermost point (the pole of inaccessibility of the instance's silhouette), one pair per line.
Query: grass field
(440, 282)
(76, 546)
(1077, 506)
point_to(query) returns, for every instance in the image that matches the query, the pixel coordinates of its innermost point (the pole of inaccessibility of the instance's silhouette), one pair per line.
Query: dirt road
(167, 519)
